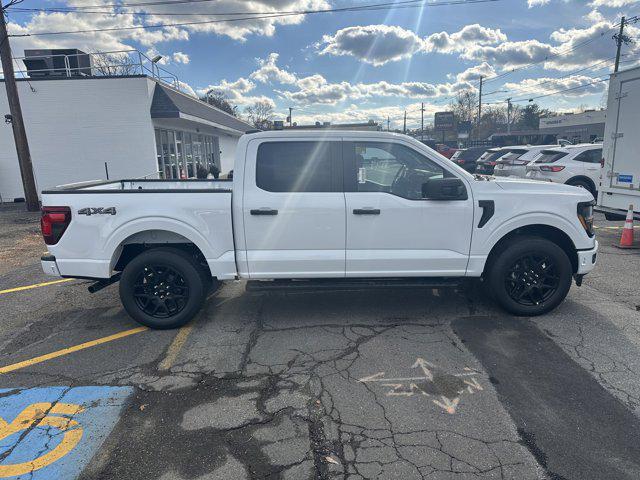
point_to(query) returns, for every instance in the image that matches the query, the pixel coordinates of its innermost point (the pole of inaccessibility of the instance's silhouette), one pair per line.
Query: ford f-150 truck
(310, 209)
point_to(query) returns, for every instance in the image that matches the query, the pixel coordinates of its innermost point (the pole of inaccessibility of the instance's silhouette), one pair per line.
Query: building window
(179, 153)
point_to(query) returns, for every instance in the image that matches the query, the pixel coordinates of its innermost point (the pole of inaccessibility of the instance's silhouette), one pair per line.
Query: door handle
(366, 211)
(264, 211)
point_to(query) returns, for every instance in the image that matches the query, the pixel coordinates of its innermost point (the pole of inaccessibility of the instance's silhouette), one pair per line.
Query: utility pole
(17, 124)
(404, 125)
(620, 38)
(422, 122)
(509, 115)
(479, 110)
(388, 122)
(290, 116)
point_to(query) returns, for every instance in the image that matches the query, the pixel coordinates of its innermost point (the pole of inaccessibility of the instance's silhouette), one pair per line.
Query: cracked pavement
(396, 384)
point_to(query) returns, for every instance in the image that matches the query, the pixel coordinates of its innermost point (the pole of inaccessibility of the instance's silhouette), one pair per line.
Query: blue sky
(354, 66)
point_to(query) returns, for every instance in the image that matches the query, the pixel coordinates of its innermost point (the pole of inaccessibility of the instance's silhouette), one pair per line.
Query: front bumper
(587, 260)
(49, 265)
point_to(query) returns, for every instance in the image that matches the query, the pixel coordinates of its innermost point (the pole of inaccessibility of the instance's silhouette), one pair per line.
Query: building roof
(170, 103)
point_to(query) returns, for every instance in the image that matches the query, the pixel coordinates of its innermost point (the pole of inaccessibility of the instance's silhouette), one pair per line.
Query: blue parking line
(51, 433)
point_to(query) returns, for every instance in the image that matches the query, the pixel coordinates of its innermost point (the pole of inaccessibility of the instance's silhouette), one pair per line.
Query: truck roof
(327, 133)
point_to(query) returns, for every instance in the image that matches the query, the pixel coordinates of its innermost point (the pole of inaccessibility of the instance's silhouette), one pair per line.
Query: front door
(294, 210)
(391, 230)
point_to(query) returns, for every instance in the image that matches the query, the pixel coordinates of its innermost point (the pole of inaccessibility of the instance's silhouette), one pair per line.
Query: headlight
(585, 215)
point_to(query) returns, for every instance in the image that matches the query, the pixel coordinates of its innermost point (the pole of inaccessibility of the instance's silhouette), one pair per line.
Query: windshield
(550, 156)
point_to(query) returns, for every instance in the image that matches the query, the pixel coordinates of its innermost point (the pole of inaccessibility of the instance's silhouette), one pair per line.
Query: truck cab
(325, 206)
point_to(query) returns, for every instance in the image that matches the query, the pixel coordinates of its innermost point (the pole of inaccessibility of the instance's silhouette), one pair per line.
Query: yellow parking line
(175, 347)
(35, 285)
(66, 351)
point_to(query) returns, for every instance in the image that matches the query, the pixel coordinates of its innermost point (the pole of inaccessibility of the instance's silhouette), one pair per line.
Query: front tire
(531, 276)
(162, 288)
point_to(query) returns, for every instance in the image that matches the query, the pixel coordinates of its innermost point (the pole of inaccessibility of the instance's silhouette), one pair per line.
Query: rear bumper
(49, 265)
(587, 260)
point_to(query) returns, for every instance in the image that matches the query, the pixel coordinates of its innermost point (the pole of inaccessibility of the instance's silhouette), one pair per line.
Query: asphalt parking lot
(397, 384)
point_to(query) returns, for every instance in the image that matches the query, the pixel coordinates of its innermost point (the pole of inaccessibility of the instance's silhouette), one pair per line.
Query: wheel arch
(142, 240)
(547, 232)
(583, 178)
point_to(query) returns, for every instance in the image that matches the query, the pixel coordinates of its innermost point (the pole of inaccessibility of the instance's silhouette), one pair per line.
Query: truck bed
(107, 216)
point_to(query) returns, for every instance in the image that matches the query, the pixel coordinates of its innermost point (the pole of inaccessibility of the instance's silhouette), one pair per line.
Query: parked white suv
(514, 162)
(577, 165)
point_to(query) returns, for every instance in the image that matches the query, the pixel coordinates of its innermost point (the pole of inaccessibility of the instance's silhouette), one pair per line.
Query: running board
(341, 284)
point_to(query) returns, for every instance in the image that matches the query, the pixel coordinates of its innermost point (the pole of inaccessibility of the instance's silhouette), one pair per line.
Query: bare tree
(218, 100)
(113, 64)
(260, 114)
(465, 105)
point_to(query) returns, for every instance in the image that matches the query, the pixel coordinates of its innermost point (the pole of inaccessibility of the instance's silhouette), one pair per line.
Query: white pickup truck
(321, 209)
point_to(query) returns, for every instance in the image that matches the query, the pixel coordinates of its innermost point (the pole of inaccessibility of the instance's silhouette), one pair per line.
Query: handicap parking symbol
(51, 433)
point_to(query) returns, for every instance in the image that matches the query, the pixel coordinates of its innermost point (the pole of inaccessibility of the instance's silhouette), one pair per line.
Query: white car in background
(577, 165)
(514, 162)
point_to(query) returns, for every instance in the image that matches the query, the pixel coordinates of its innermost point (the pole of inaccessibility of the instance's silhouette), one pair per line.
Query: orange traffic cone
(626, 240)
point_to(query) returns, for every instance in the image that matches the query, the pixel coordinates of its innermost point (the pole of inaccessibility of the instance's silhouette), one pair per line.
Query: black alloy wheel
(164, 287)
(529, 276)
(160, 291)
(532, 279)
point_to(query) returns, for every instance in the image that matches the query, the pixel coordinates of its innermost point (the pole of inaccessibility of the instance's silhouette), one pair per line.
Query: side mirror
(444, 189)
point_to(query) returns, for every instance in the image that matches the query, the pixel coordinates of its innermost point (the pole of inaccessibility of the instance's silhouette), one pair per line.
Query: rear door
(294, 209)
(625, 148)
(590, 164)
(391, 230)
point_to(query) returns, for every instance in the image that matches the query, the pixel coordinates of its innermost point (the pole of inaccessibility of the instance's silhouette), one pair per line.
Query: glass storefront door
(179, 153)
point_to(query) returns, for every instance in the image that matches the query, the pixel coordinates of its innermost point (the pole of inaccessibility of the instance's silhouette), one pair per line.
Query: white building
(84, 128)
(577, 127)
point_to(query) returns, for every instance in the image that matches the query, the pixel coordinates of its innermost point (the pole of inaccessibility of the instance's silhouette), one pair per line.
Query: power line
(353, 8)
(551, 80)
(561, 53)
(381, 6)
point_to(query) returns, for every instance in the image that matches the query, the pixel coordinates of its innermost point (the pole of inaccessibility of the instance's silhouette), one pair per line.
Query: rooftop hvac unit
(61, 62)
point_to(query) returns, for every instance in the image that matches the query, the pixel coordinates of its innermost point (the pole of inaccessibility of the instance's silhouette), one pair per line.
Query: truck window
(294, 166)
(391, 168)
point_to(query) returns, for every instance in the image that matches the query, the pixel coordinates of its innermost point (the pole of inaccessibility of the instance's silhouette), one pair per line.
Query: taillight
(54, 222)
(548, 168)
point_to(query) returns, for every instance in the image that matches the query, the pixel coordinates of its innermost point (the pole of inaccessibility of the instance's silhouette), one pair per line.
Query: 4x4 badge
(97, 211)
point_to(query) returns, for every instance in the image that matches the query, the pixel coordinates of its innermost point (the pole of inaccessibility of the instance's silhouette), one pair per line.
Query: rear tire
(530, 277)
(163, 288)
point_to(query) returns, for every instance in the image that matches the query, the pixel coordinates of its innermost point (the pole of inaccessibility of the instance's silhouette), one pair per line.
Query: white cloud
(316, 90)
(468, 36)
(374, 44)
(238, 30)
(122, 39)
(269, 72)
(537, 3)
(613, 3)
(359, 113)
(186, 88)
(544, 85)
(473, 74)
(236, 92)
(380, 44)
(180, 57)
